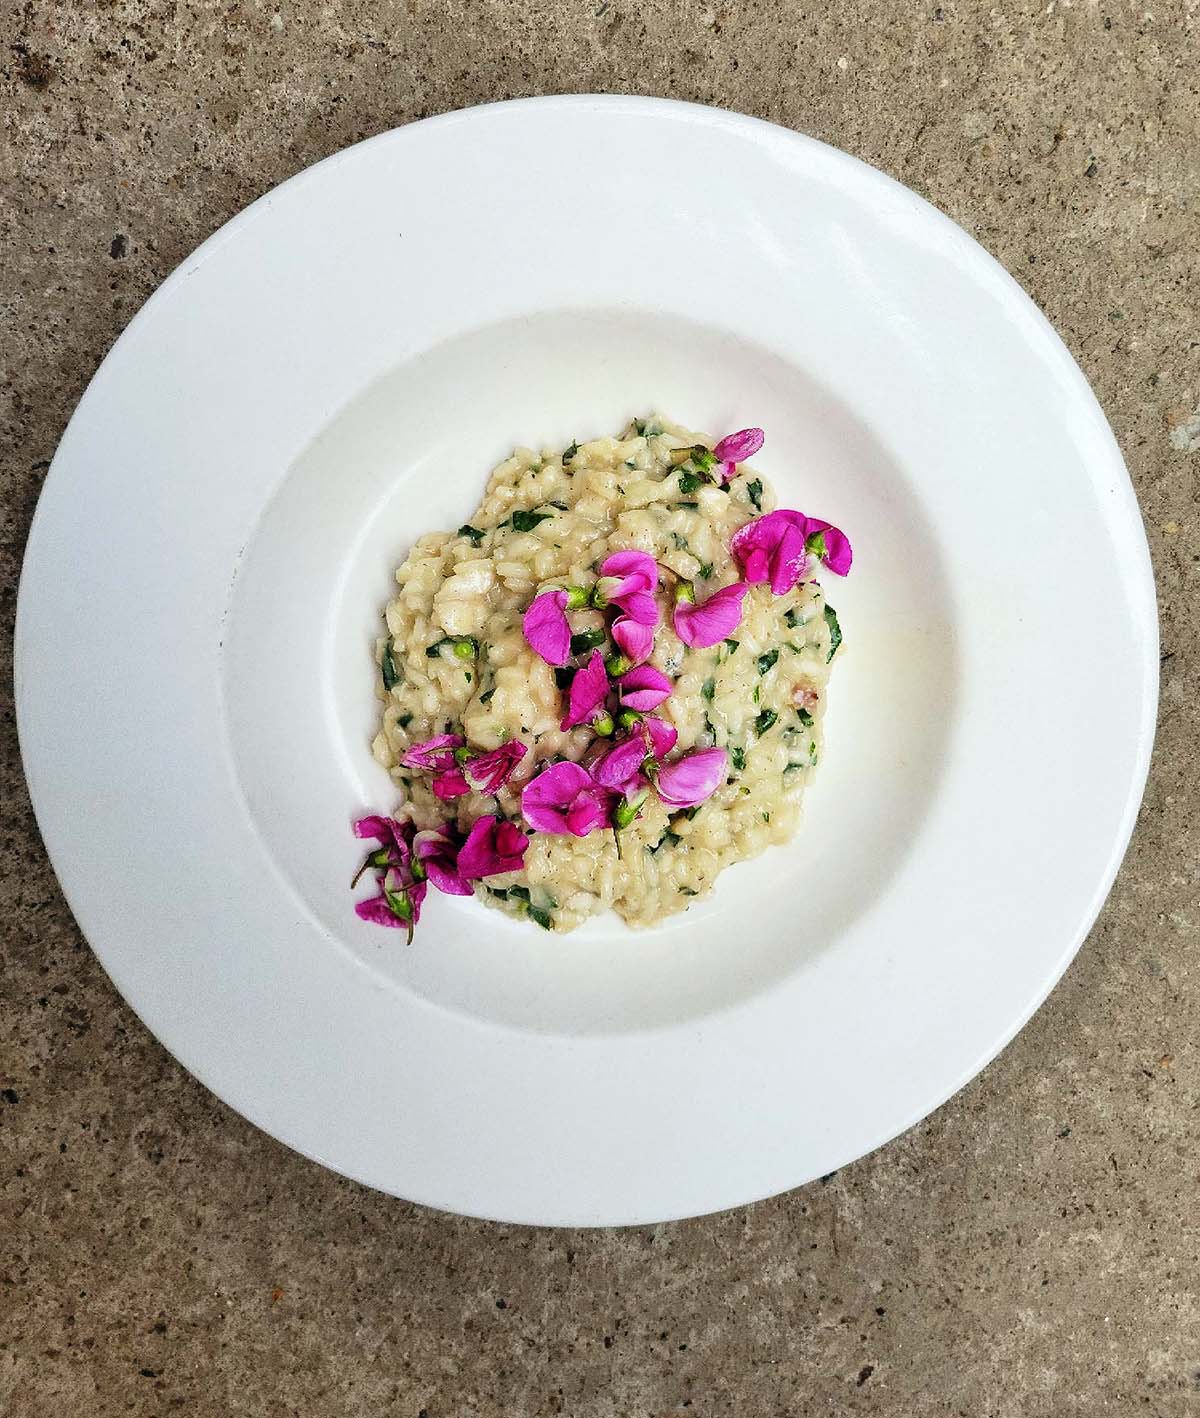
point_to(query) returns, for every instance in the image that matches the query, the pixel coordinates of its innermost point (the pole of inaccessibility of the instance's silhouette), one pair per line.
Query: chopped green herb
(835, 632)
(485, 697)
(795, 649)
(535, 913)
(765, 662)
(388, 667)
(668, 839)
(500, 892)
(688, 482)
(691, 506)
(757, 695)
(733, 644)
(793, 617)
(468, 676)
(792, 769)
(687, 891)
(562, 506)
(737, 756)
(476, 536)
(436, 648)
(587, 640)
(766, 817)
(639, 428)
(812, 754)
(764, 721)
(692, 811)
(706, 569)
(404, 720)
(569, 453)
(709, 688)
(805, 717)
(679, 541)
(564, 676)
(629, 463)
(754, 492)
(527, 521)
(519, 893)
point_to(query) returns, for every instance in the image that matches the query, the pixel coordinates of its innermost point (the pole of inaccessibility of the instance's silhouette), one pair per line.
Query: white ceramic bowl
(336, 371)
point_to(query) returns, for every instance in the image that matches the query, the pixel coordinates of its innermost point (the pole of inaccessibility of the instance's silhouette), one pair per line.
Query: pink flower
(828, 545)
(629, 579)
(635, 641)
(692, 778)
(492, 846)
(621, 767)
(398, 904)
(735, 448)
(438, 858)
(436, 753)
(589, 690)
(660, 735)
(644, 688)
(490, 771)
(776, 548)
(450, 784)
(709, 624)
(395, 839)
(546, 628)
(565, 798)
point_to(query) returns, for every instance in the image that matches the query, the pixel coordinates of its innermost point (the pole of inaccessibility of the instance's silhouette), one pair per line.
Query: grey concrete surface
(1030, 1250)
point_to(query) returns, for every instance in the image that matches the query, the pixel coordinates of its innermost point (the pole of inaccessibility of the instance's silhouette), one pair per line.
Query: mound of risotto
(604, 688)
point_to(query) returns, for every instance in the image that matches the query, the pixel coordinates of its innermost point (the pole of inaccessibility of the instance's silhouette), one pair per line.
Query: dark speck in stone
(864, 1374)
(502, 1304)
(10, 1095)
(118, 247)
(148, 1373)
(828, 1177)
(879, 1310)
(1091, 169)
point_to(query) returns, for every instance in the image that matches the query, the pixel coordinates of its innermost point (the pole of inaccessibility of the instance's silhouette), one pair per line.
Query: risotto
(605, 687)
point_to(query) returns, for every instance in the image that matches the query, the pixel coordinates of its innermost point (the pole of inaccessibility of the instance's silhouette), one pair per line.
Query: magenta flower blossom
(565, 798)
(776, 548)
(692, 778)
(438, 857)
(546, 627)
(621, 767)
(634, 640)
(450, 784)
(709, 623)
(492, 846)
(644, 688)
(395, 840)
(660, 736)
(735, 448)
(589, 690)
(398, 903)
(436, 753)
(490, 771)
(629, 579)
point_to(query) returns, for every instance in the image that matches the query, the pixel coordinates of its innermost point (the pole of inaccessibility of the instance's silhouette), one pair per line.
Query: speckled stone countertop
(1033, 1248)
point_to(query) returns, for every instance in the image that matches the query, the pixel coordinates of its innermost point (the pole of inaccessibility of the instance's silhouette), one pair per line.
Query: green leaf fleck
(737, 756)
(764, 721)
(476, 536)
(527, 521)
(765, 662)
(835, 632)
(754, 490)
(388, 667)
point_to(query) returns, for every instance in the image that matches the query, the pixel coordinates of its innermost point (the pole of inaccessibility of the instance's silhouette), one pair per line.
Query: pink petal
(490, 771)
(709, 623)
(620, 768)
(546, 797)
(438, 855)
(489, 850)
(660, 735)
(644, 688)
(546, 629)
(838, 554)
(772, 547)
(437, 752)
(634, 640)
(589, 690)
(788, 561)
(692, 778)
(726, 470)
(639, 606)
(450, 784)
(589, 811)
(636, 568)
(378, 912)
(395, 836)
(737, 447)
